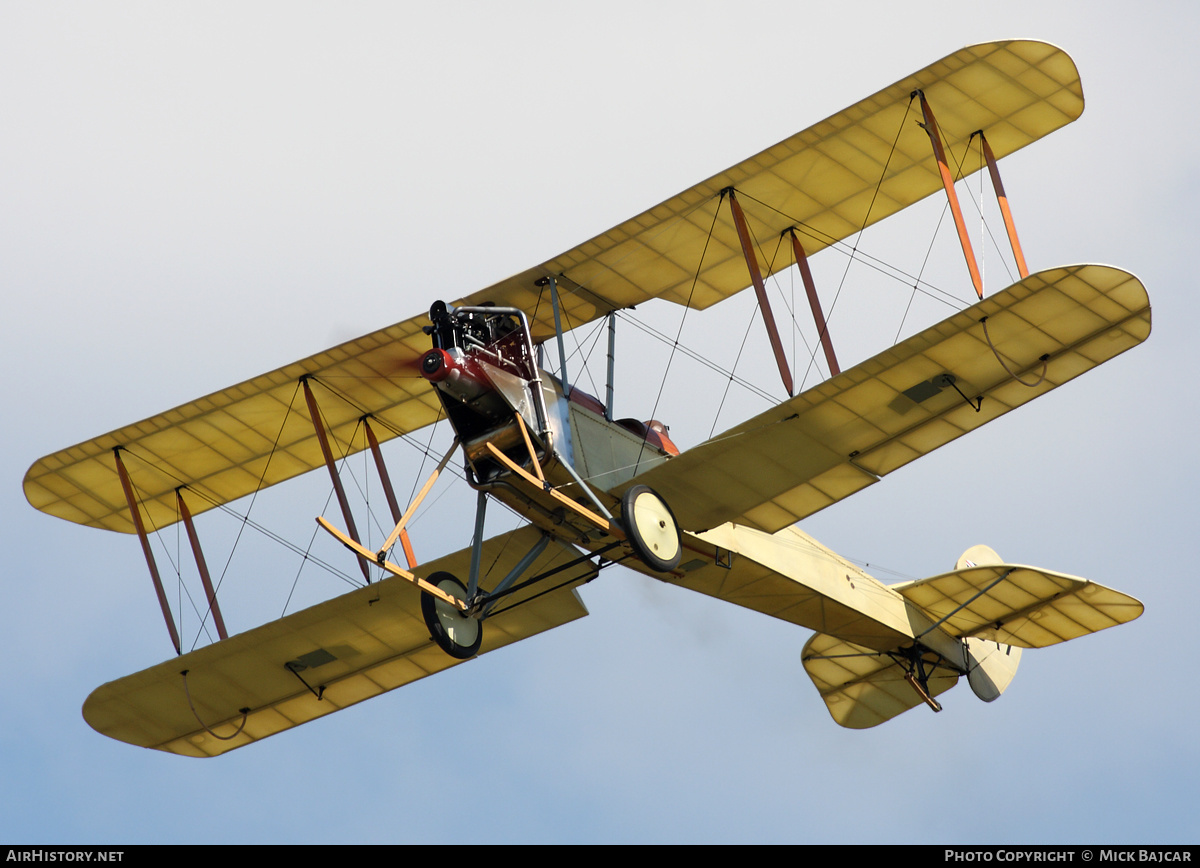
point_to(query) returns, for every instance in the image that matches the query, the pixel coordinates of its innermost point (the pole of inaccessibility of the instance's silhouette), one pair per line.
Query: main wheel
(455, 633)
(651, 529)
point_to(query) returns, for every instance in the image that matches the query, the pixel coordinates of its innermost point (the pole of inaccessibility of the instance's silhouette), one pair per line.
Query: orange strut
(810, 288)
(948, 182)
(127, 487)
(1002, 198)
(393, 505)
(743, 232)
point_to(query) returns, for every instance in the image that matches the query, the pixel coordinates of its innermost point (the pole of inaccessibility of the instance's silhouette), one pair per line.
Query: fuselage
(484, 370)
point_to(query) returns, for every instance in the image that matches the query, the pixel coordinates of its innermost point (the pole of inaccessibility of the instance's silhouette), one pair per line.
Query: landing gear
(651, 529)
(455, 633)
(917, 671)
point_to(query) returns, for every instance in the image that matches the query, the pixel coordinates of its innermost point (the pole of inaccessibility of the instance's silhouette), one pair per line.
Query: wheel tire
(651, 529)
(455, 633)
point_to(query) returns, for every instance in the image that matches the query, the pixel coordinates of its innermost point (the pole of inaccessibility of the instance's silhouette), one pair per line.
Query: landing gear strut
(917, 672)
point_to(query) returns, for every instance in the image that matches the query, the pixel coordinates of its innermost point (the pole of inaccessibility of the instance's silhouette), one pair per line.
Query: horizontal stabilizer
(347, 649)
(1017, 605)
(864, 688)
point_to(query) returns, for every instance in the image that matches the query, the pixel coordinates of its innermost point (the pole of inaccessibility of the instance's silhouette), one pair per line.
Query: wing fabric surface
(863, 688)
(822, 181)
(1018, 605)
(249, 436)
(846, 433)
(354, 647)
(849, 171)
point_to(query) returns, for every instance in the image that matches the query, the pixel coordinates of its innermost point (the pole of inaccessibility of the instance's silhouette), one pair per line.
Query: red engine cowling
(462, 381)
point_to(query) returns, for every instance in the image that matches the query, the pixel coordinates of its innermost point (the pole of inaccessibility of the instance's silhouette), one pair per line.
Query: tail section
(990, 665)
(978, 617)
(863, 687)
(1013, 604)
(977, 556)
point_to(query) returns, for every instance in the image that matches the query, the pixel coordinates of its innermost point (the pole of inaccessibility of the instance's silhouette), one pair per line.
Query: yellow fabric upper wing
(848, 171)
(249, 436)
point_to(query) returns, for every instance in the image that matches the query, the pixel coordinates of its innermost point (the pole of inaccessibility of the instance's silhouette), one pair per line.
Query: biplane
(592, 490)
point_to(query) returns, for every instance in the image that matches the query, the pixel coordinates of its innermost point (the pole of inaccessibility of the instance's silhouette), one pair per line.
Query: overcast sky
(192, 194)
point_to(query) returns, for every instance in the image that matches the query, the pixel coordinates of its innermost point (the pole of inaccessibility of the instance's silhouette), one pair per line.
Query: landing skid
(917, 671)
(921, 686)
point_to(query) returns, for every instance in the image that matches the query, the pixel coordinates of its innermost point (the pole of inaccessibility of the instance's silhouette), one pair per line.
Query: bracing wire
(683, 317)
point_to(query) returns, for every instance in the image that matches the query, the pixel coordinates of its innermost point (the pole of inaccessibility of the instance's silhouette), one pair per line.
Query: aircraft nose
(436, 365)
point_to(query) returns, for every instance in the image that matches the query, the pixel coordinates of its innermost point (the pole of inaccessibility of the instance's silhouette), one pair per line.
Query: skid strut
(917, 671)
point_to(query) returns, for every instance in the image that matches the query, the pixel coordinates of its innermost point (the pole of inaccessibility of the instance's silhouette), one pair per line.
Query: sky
(192, 194)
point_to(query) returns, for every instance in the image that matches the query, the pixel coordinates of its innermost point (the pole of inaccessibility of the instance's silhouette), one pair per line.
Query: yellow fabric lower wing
(348, 649)
(843, 435)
